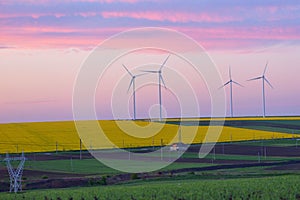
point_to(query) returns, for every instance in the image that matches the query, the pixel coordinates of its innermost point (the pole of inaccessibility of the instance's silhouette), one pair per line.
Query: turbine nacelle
(160, 79)
(159, 71)
(231, 82)
(264, 79)
(133, 77)
(132, 83)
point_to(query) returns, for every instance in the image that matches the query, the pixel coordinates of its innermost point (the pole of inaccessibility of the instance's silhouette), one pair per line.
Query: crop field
(253, 158)
(62, 136)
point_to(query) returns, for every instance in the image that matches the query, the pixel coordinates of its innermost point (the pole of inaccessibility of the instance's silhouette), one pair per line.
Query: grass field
(284, 118)
(280, 187)
(62, 136)
(92, 166)
(279, 142)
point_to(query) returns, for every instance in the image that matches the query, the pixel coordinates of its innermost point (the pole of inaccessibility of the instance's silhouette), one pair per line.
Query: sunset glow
(43, 44)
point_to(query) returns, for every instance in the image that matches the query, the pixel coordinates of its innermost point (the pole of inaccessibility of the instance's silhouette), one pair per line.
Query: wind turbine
(132, 83)
(264, 79)
(160, 80)
(230, 82)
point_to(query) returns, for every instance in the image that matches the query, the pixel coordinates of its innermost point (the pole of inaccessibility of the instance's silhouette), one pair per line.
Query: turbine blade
(265, 68)
(237, 83)
(269, 83)
(131, 82)
(230, 73)
(149, 71)
(164, 62)
(252, 79)
(224, 85)
(128, 70)
(162, 80)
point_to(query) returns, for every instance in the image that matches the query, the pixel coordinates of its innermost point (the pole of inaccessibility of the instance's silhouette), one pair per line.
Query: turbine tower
(264, 79)
(230, 82)
(160, 80)
(132, 83)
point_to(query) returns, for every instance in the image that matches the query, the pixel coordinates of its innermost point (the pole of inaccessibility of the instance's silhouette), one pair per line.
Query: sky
(44, 43)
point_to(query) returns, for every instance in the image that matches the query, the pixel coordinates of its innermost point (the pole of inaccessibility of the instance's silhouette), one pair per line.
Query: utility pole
(80, 153)
(161, 149)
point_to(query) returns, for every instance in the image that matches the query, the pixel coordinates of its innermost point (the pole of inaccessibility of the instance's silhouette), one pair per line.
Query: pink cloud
(41, 37)
(274, 33)
(32, 15)
(168, 16)
(37, 15)
(215, 37)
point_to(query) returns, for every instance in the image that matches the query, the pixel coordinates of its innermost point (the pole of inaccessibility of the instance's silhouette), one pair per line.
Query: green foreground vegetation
(277, 187)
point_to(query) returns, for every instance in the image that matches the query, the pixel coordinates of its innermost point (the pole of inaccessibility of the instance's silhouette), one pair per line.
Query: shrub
(103, 180)
(44, 177)
(134, 176)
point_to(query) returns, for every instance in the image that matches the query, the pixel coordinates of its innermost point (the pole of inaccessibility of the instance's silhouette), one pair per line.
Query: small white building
(178, 147)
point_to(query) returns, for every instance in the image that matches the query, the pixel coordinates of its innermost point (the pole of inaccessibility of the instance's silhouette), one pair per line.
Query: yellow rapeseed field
(49, 136)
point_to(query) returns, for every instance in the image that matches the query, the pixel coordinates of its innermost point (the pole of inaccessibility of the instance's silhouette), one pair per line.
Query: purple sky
(43, 44)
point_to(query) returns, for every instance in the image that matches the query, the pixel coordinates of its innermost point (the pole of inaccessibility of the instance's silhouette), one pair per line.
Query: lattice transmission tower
(15, 175)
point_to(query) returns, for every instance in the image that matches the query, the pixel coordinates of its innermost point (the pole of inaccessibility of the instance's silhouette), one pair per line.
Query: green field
(277, 187)
(283, 125)
(273, 143)
(92, 166)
